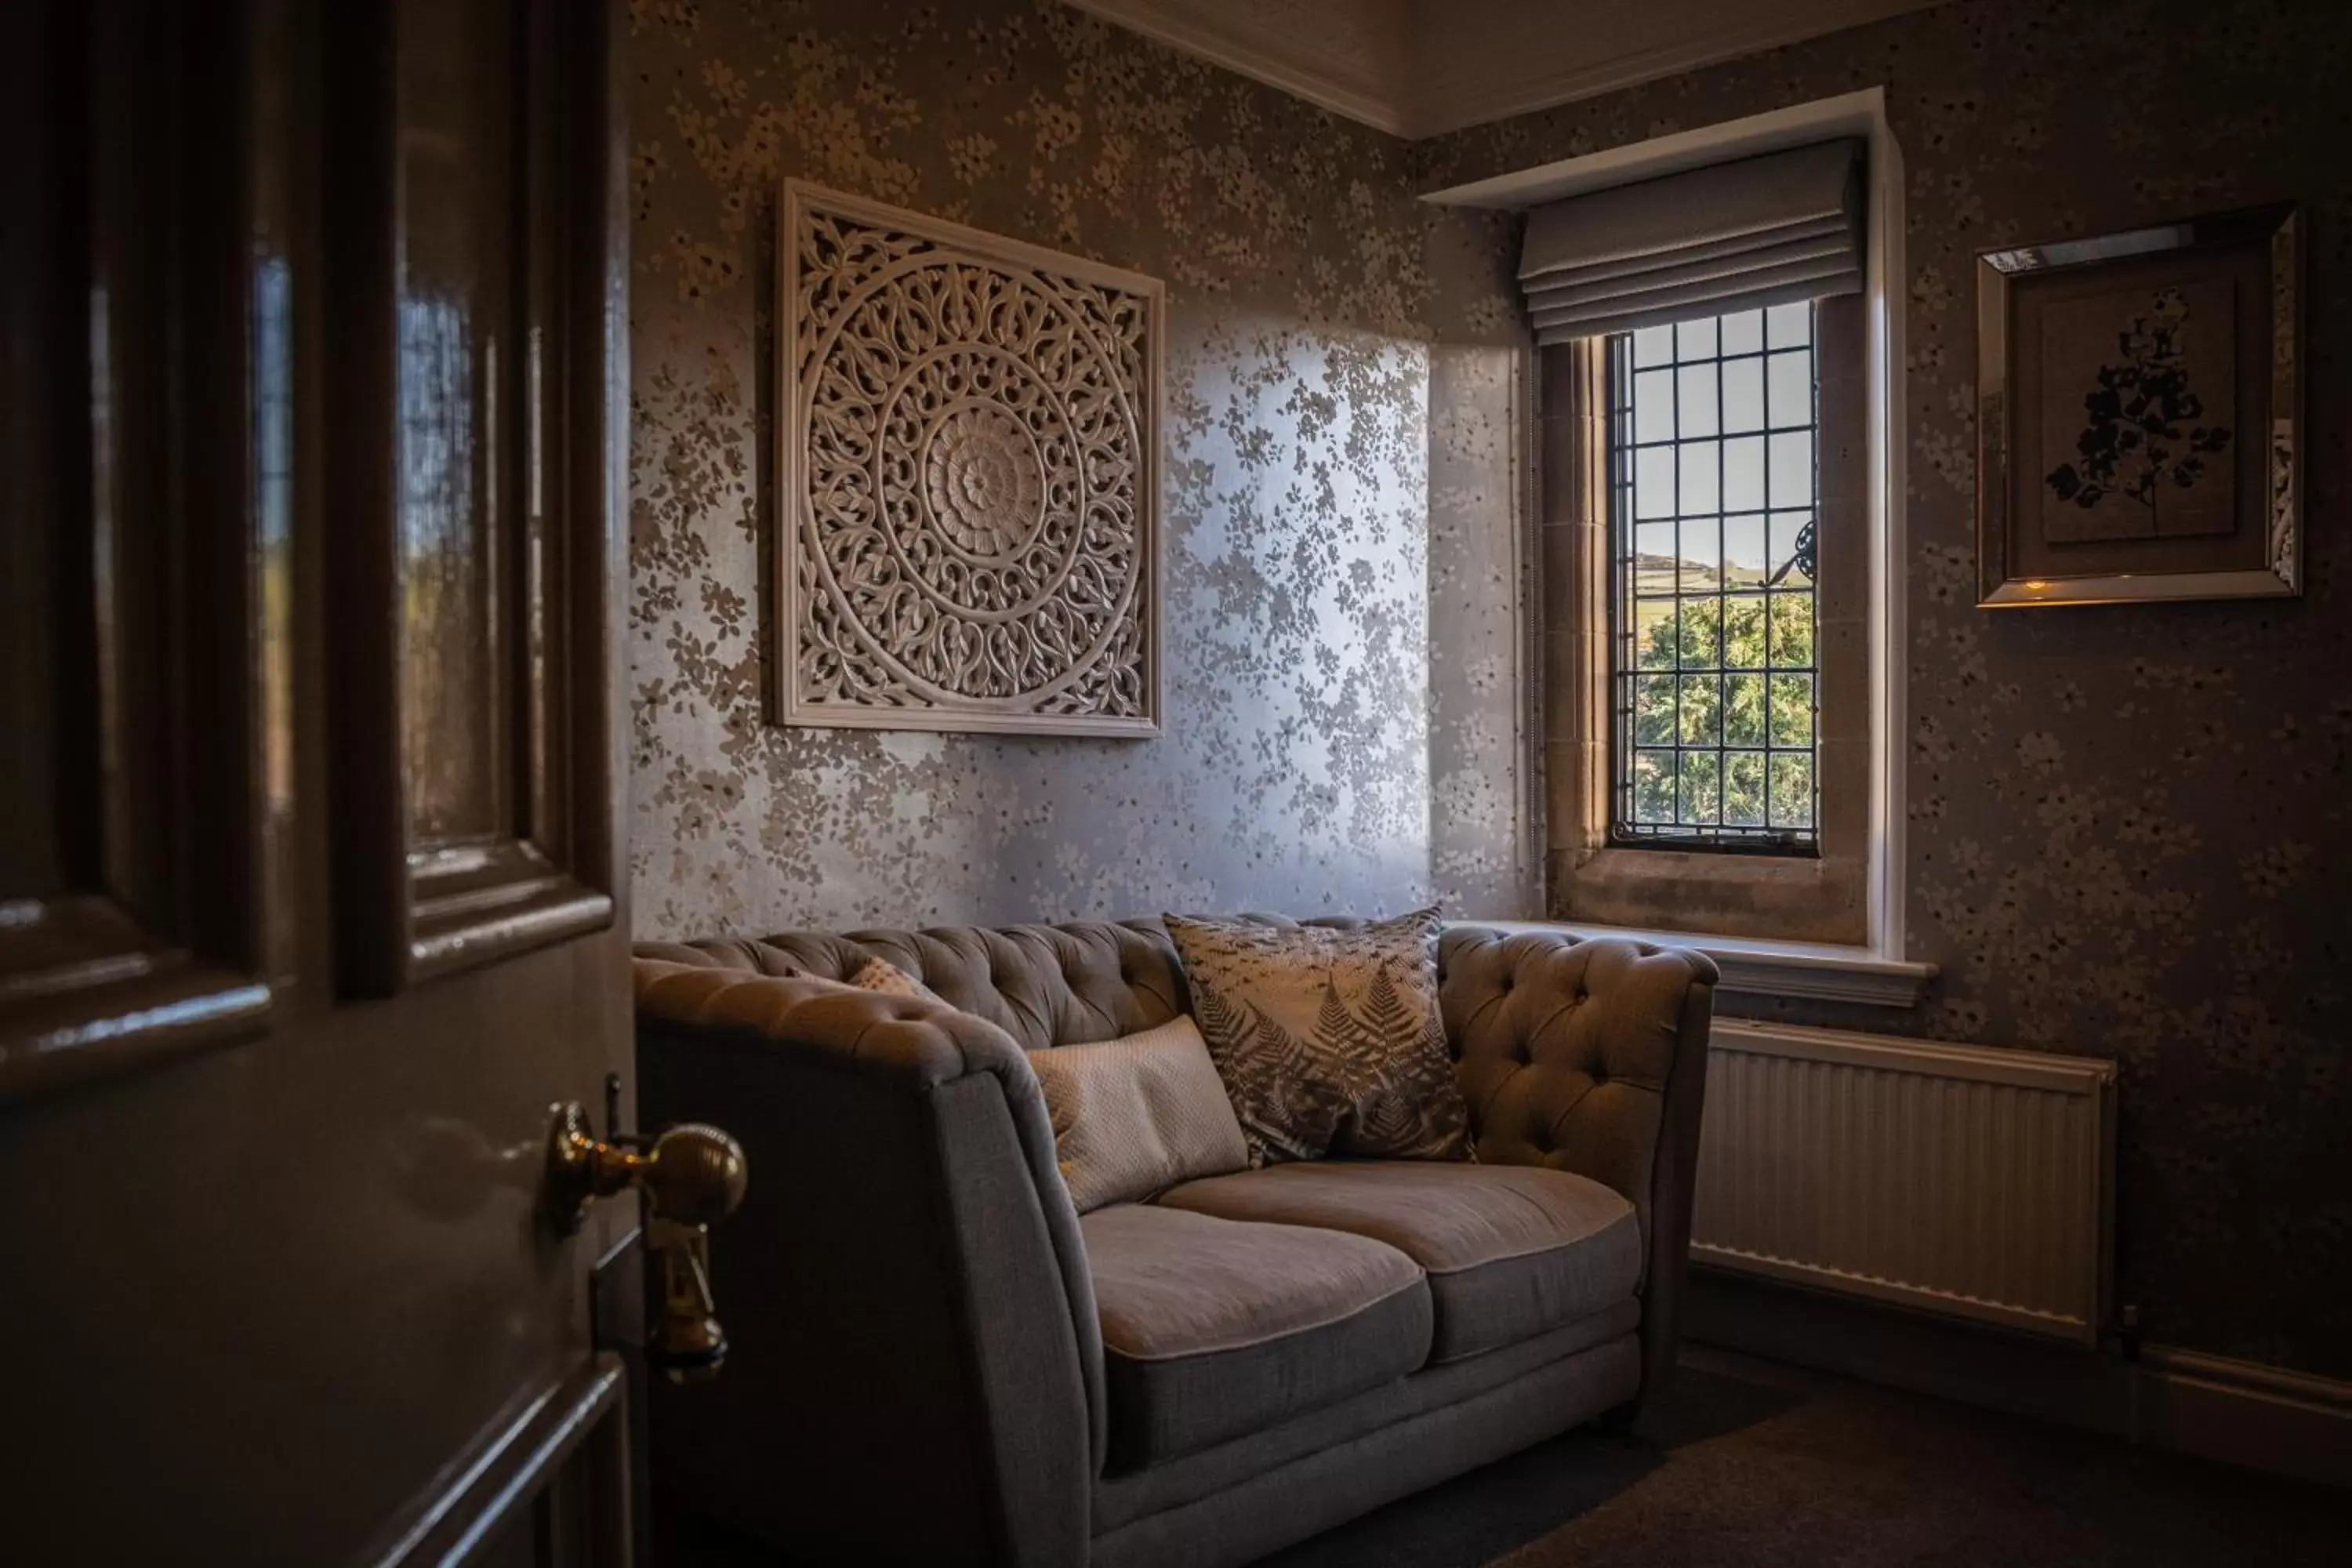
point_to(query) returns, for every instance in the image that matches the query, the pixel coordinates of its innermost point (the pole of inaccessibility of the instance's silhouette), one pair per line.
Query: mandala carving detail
(970, 461)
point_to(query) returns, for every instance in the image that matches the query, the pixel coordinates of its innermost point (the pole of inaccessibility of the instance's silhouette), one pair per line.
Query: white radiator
(1954, 1178)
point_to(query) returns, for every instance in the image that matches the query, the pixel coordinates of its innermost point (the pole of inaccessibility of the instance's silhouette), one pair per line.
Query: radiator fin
(1955, 1178)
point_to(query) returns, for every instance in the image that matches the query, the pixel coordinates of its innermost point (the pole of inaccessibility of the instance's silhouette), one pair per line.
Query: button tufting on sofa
(953, 1289)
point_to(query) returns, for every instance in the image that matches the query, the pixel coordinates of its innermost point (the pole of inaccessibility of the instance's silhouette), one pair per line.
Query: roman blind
(1766, 230)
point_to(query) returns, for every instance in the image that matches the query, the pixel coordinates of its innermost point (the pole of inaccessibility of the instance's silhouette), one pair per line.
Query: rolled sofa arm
(912, 1040)
(916, 1363)
(1590, 1056)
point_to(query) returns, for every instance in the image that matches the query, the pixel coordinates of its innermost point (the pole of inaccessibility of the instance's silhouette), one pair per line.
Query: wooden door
(312, 325)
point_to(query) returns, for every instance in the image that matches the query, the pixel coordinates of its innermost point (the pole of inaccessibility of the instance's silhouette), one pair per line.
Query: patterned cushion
(876, 974)
(1138, 1115)
(881, 974)
(1328, 1041)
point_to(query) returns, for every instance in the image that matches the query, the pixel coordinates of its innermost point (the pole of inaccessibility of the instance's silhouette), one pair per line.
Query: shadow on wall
(1327, 744)
(1295, 769)
(1482, 845)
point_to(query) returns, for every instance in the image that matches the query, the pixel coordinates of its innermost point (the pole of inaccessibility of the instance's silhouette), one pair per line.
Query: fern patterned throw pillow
(1328, 1041)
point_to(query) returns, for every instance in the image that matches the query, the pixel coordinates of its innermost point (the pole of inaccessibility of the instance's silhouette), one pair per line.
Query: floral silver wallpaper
(1340, 469)
(2129, 824)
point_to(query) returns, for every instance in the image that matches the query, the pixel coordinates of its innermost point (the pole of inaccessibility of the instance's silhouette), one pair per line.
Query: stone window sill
(1809, 971)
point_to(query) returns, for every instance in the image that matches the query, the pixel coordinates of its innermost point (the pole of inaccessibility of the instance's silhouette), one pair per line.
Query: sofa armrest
(911, 1042)
(1590, 1056)
(916, 1361)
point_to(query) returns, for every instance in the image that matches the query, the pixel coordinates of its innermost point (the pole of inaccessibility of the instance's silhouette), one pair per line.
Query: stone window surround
(1850, 950)
(1823, 898)
(1777, 925)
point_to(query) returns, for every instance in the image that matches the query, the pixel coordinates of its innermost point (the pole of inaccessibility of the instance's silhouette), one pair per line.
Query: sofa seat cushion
(1511, 1250)
(1214, 1328)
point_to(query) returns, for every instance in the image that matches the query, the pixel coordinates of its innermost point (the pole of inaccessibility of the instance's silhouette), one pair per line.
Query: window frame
(1558, 650)
(1824, 898)
(1627, 675)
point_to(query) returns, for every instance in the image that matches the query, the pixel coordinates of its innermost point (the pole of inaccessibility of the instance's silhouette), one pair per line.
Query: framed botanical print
(2139, 421)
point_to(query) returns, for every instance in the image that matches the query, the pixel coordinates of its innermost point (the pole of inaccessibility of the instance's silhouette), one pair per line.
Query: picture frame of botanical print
(968, 537)
(2139, 429)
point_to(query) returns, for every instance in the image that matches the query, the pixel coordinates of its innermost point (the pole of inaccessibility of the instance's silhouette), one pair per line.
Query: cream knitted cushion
(1135, 1116)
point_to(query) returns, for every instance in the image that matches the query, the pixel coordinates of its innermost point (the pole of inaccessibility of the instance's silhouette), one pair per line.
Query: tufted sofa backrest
(1043, 984)
(1563, 1047)
(1587, 1056)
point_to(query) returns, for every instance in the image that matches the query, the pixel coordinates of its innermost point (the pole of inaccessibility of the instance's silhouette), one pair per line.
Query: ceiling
(1417, 68)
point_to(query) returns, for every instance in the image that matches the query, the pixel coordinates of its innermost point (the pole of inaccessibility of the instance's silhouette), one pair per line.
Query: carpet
(1750, 1464)
(1747, 1463)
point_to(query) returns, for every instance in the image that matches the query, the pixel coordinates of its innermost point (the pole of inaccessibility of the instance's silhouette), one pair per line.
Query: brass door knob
(693, 1174)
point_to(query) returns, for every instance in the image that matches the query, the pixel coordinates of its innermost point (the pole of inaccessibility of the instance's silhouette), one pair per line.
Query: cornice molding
(1415, 75)
(1222, 45)
(1501, 83)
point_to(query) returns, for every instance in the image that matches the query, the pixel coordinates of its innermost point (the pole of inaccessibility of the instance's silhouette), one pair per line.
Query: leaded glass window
(1715, 489)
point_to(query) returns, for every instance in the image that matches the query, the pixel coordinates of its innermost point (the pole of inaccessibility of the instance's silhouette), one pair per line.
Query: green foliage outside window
(1710, 681)
(1715, 495)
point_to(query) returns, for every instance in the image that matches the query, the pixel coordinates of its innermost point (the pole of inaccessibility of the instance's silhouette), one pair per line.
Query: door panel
(125, 932)
(468, 276)
(456, 362)
(293, 781)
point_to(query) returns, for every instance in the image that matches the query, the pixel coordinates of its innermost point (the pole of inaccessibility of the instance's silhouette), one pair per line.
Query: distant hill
(1658, 574)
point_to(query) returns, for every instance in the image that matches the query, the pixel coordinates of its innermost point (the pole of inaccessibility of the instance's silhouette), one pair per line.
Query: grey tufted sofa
(936, 1360)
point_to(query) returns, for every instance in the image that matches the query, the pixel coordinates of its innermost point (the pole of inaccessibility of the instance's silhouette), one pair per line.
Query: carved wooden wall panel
(970, 468)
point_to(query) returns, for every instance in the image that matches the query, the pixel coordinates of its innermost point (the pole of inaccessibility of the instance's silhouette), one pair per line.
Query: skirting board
(2241, 1413)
